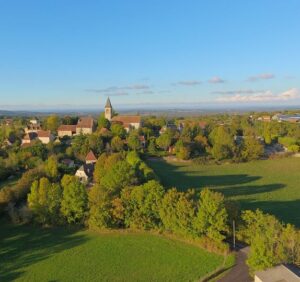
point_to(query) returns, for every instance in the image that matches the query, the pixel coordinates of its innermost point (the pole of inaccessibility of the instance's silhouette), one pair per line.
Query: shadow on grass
(231, 186)
(287, 211)
(21, 246)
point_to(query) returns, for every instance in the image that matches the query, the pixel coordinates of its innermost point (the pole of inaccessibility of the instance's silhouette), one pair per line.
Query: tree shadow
(286, 211)
(23, 245)
(230, 185)
(235, 185)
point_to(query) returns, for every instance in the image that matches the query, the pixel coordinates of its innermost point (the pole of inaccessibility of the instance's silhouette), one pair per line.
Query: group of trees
(271, 242)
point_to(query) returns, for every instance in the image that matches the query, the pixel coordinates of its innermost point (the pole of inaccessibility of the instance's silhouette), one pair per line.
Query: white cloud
(262, 76)
(216, 79)
(114, 89)
(189, 82)
(235, 92)
(266, 96)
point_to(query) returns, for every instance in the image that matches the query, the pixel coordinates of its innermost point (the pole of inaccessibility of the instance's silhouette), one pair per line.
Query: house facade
(66, 130)
(85, 125)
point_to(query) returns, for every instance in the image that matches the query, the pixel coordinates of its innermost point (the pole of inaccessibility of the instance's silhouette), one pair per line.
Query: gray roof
(108, 103)
(279, 273)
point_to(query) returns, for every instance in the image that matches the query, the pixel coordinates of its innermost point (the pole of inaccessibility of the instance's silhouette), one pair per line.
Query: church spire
(108, 103)
(108, 110)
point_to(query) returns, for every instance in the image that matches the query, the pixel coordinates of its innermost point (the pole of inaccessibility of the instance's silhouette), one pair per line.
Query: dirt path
(240, 272)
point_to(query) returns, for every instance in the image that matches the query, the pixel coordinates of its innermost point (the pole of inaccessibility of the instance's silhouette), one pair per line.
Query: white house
(85, 173)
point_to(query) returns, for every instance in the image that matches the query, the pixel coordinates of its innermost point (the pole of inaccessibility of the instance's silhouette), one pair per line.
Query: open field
(271, 185)
(33, 254)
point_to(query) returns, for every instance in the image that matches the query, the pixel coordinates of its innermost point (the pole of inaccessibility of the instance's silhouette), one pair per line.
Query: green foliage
(95, 143)
(51, 167)
(121, 175)
(133, 141)
(103, 122)
(74, 201)
(80, 146)
(177, 211)
(211, 219)
(164, 141)
(142, 205)
(262, 232)
(117, 144)
(294, 148)
(52, 123)
(118, 130)
(183, 151)
(287, 141)
(152, 149)
(99, 208)
(252, 149)
(223, 143)
(44, 201)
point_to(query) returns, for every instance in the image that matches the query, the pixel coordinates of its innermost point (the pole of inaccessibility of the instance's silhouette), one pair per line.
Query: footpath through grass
(30, 253)
(271, 185)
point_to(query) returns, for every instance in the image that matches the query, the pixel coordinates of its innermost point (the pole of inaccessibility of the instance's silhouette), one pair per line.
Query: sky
(67, 54)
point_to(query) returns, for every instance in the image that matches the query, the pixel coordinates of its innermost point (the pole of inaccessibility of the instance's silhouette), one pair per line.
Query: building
(280, 273)
(44, 136)
(29, 138)
(127, 121)
(85, 173)
(66, 130)
(85, 125)
(288, 118)
(108, 110)
(90, 158)
(68, 163)
(8, 121)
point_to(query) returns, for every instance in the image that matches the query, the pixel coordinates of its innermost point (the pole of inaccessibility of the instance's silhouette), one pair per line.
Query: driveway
(240, 271)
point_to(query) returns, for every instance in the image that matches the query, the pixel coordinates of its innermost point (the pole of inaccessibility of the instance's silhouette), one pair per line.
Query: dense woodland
(126, 193)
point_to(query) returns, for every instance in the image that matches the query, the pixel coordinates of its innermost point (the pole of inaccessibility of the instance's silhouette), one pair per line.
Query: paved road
(240, 272)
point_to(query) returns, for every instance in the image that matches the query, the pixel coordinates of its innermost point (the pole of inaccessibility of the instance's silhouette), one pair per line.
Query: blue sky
(73, 54)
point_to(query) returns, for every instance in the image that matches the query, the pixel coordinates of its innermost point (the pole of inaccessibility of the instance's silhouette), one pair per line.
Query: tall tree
(74, 201)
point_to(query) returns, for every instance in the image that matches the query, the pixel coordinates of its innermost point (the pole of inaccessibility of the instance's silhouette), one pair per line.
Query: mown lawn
(30, 253)
(271, 185)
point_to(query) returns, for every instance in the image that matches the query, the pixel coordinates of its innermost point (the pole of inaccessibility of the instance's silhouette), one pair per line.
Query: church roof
(108, 103)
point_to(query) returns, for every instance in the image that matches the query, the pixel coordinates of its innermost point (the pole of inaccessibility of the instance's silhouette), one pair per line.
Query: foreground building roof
(280, 273)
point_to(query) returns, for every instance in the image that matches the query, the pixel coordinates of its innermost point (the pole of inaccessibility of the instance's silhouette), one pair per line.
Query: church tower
(108, 110)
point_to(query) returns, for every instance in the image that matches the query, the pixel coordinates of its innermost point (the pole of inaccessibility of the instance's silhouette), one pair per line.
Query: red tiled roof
(85, 122)
(44, 133)
(90, 156)
(126, 120)
(66, 127)
(202, 124)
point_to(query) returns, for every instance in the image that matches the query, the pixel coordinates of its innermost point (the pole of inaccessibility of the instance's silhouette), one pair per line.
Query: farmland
(271, 185)
(30, 253)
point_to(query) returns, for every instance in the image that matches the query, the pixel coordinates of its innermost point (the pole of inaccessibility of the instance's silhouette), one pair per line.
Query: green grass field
(30, 253)
(271, 185)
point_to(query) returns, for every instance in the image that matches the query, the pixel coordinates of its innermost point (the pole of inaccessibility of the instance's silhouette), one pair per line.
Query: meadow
(31, 253)
(270, 185)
